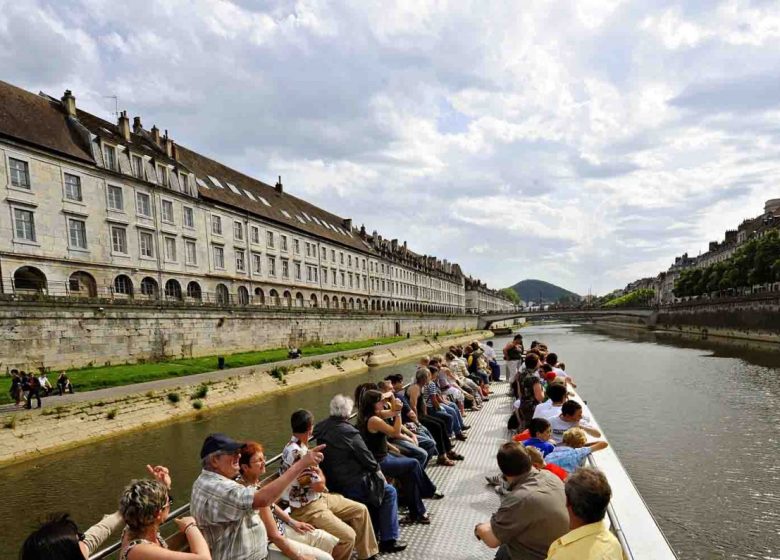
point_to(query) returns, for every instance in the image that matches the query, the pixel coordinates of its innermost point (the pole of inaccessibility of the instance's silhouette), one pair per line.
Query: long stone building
(114, 211)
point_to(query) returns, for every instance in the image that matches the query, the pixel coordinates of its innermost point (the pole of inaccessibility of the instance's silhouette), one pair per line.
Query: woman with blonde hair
(571, 453)
(144, 506)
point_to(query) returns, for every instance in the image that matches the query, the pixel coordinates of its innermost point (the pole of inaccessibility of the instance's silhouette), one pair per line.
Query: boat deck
(468, 499)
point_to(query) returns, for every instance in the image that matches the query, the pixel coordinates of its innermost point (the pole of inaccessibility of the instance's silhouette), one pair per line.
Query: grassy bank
(89, 379)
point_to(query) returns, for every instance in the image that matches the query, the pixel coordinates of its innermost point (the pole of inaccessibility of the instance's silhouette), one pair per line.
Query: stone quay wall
(72, 335)
(755, 318)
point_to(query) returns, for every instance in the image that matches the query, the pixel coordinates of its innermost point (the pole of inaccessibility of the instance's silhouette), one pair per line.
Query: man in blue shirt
(540, 431)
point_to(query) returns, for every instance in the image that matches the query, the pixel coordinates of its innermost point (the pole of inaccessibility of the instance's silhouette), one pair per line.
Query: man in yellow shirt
(587, 497)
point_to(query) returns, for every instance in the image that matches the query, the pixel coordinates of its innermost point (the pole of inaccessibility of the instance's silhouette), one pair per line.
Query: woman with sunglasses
(145, 505)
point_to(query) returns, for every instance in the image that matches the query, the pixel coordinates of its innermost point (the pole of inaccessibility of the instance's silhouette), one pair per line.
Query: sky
(582, 142)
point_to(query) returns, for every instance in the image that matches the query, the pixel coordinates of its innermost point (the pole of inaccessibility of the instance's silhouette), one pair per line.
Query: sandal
(455, 456)
(445, 461)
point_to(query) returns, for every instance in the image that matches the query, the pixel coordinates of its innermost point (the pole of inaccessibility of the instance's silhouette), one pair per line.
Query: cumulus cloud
(583, 142)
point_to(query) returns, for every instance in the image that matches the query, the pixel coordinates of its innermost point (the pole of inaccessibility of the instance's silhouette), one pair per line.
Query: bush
(10, 423)
(316, 364)
(279, 373)
(174, 397)
(197, 404)
(200, 392)
(111, 414)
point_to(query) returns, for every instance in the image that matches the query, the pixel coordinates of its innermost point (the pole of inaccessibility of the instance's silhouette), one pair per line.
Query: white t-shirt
(547, 410)
(559, 426)
(490, 352)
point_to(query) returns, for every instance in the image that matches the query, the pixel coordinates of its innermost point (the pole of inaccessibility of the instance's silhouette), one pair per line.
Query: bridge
(647, 315)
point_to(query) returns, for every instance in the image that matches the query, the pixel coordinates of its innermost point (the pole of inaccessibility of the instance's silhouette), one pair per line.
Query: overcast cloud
(586, 142)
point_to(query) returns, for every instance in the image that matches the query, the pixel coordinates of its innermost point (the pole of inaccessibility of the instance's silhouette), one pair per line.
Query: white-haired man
(225, 510)
(351, 470)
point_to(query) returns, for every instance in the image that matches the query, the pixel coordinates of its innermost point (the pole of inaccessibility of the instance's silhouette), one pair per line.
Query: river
(695, 422)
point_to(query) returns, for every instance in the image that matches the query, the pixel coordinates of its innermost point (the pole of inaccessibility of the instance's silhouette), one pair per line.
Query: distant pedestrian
(16, 387)
(34, 392)
(63, 384)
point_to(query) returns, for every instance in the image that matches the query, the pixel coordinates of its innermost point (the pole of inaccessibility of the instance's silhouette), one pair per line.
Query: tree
(511, 294)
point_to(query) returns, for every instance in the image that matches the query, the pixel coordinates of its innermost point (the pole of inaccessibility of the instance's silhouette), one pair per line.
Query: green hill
(530, 290)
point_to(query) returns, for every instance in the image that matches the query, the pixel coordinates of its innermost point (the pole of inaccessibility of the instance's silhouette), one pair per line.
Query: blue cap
(219, 442)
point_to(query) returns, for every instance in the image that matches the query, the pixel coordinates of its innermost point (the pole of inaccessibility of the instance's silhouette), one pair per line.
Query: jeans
(426, 441)
(415, 482)
(457, 419)
(495, 370)
(412, 451)
(33, 394)
(385, 517)
(442, 415)
(437, 427)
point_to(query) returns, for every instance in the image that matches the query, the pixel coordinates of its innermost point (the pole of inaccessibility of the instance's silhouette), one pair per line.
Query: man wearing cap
(225, 510)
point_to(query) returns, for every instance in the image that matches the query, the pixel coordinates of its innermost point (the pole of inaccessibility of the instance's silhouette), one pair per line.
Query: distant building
(115, 211)
(480, 298)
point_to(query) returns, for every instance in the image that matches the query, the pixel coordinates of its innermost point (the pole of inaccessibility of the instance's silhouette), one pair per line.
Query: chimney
(731, 236)
(394, 244)
(124, 126)
(69, 103)
(374, 236)
(713, 246)
(279, 187)
(362, 230)
(137, 126)
(404, 245)
(156, 134)
(347, 222)
(168, 145)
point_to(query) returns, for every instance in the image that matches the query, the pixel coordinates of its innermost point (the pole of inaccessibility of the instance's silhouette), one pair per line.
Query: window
(20, 173)
(351, 281)
(118, 240)
(184, 180)
(72, 187)
(333, 277)
(109, 154)
(333, 255)
(343, 279)
(170, 249)
(115, 199)
(167, 211)
(324, 253)
(364, 264)
(341, 258)
(77, 233)
(146, 244)
(297, 246)
(269, 239)
(350, 260)
(324, 275)
(143, 204)
(24, 224)
(257, 263)
(219, 257)
(138, 167)
(189, 217)
(240, 260)
(272, 266)
(284, 243)
(190, 251)
(216, 225)
(238, 231)
(123, 285)
(297, 270)
(255, 234)
(285, 268)
(162, 172)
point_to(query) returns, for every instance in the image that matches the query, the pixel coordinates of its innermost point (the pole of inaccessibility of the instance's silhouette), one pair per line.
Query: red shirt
(557, 471)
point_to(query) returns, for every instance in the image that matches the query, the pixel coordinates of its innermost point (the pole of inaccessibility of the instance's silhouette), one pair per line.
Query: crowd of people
(349, 495)
(27, 386)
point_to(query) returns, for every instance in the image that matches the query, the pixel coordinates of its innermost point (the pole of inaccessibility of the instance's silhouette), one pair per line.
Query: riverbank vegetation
(89, 379)
(757, 262)
(637, 298)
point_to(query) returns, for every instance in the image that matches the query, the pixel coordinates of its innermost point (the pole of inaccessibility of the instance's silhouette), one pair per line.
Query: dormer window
(185, 182)
(162, 173)
(109, 154)
(138, 167)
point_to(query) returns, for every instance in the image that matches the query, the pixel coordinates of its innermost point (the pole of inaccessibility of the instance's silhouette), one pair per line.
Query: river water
(695, 422)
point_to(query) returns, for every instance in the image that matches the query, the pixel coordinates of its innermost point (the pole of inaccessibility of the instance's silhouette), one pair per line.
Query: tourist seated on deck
(587, 498)
(540, 431)
(478, 365)
(528, 368)
(557, 394)
(446, 404)
(537, 460)
(225, 510)
(311, 502)
(448, 384)
(570, 417)
(145, 505)
(532, 513)
(59, 538)
(531, 396)
(436, 427)
(351, 470)
(574, 448)
(375, 431)
(294, 539)
(459, 370)
(490, 356)
(409, 443)
(425, 399)
(424, 437)
(552, 361)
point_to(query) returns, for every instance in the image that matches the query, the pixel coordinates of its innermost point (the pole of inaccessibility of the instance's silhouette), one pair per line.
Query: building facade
(481, 299)
(114, 211)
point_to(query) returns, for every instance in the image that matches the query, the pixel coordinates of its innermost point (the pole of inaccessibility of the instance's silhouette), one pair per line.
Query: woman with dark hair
(58, 538)
(373, 426)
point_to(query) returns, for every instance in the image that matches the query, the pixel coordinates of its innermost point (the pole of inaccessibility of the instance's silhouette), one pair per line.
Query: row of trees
(637, 298)
(757, 262)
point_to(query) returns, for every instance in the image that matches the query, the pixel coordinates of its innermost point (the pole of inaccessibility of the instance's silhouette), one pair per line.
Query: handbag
(375, 489)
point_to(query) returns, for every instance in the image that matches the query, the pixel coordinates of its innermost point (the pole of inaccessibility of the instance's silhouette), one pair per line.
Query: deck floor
(468, 499)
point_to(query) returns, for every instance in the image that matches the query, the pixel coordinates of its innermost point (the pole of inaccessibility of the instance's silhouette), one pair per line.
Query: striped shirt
(223, 510)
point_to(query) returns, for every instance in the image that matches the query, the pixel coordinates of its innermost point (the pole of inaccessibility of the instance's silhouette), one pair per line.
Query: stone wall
(75, 335)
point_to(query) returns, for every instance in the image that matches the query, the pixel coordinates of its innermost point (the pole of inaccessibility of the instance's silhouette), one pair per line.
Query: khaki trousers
(345, 519)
